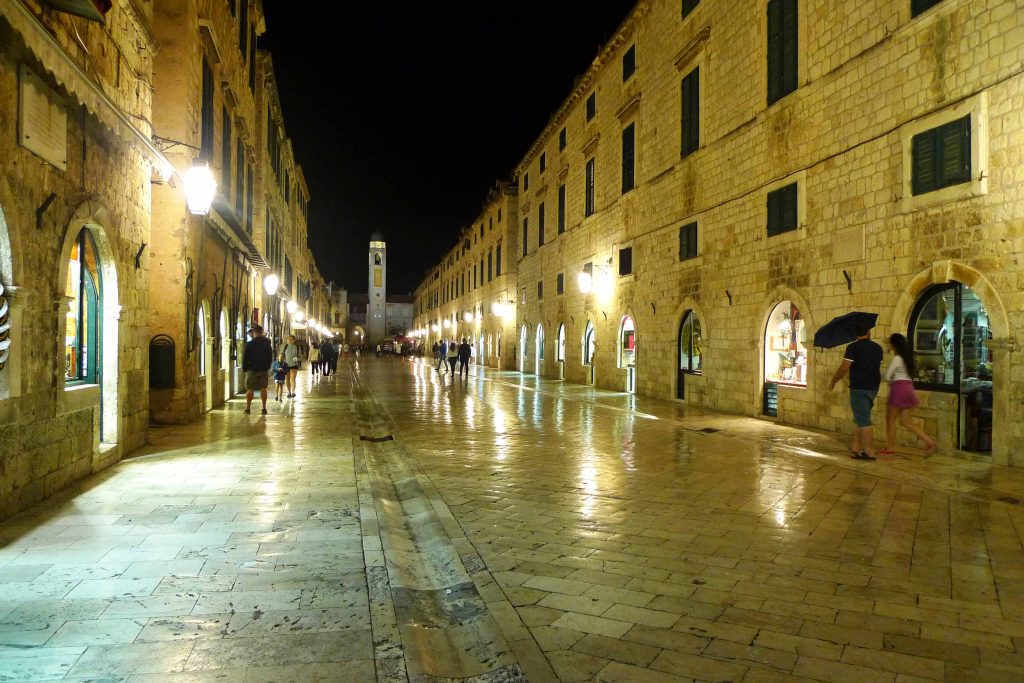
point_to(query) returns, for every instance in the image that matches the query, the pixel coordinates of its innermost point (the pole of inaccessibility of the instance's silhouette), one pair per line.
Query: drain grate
(709, 430)
(376, 439)
(1011, 500)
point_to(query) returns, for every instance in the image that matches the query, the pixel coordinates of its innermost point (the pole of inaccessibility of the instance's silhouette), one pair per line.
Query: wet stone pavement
(392, 525)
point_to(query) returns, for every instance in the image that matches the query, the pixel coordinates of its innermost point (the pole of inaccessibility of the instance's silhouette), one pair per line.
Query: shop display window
(949, 329)
(690, 345)
(81, 327)
(627, 347)
(588, 344)
(785, 356)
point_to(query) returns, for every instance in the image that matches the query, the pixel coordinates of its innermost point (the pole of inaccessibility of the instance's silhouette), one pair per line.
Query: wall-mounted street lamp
(468, 317)
(298, 316)
(200, 189)
(291, 307)
(447, 323)
(586, 282)
(435, 328)
(270, 284)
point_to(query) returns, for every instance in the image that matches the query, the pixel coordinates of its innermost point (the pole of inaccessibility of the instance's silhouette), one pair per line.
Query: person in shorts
(256, 361)
(280, 372)
(863, 361)
(902, 398)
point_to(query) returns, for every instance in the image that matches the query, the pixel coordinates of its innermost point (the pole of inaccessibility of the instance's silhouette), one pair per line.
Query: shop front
(949, 332)
(627, 352)
(785, 354)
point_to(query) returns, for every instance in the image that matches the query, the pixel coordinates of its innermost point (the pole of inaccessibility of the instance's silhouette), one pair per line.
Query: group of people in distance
(449, 353)
(863, 361)
(259, 362)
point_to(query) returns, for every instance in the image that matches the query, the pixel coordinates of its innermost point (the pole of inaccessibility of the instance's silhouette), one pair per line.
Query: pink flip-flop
(885, 451)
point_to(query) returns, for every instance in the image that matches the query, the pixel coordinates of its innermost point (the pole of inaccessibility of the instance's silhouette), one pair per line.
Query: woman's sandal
(862, 456)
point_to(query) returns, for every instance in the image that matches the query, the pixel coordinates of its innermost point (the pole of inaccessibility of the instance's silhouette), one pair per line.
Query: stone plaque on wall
(848, 245)
(42, 121)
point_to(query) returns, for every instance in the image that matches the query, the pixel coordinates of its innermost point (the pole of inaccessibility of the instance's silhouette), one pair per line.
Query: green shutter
(690, 124)
(789, 46)
(923, 162)
(955, 143)
(774, 50)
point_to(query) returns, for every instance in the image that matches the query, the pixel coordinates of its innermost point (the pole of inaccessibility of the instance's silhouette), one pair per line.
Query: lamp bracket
(163, 144)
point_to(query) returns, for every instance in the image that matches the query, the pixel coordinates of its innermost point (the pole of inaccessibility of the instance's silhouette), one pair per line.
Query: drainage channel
(429, 621)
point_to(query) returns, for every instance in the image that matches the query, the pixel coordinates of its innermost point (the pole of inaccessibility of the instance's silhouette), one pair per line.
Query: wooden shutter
(689, 6)
(590, 187)
(789, 219)
(955, 142)
(688, 241)
(774, 50)
(690, 124)
(540, 224)
(526, 232)
(783, 37)
(923, 159)
(628, 157)
(782, 213)
(561, 209)
(790, 31)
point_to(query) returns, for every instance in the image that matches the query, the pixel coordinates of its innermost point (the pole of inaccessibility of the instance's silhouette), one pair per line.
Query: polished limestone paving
(391, 524)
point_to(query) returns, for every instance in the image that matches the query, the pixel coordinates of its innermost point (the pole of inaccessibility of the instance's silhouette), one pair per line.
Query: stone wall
(870, 77)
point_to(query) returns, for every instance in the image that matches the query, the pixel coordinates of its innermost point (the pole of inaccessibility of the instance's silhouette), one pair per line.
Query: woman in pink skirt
(902, 399)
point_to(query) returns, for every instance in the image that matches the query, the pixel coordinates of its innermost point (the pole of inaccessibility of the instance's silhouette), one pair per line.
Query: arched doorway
(785, 356)
(204, 358)
(560, 351)
(949, 333)
(497, 348)
(691, 358)
(225, 353)
(489, 349)
(523, 336)
(540, 350)
(90, 321)
(589, 341)
(7, 315)
(627, 352)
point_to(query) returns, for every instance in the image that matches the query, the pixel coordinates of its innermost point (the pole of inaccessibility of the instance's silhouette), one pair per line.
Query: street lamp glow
(291, 307)
(585, 281)
(298, 316)
(447, 323)
(468, 317)
(200, 189)
(435, 328)
(270, 284)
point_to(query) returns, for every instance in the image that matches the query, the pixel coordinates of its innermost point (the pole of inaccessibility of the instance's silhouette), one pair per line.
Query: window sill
(693, 262)
(784, 238)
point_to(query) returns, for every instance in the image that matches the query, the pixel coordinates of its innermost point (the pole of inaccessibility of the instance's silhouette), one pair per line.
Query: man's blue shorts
(862, 401)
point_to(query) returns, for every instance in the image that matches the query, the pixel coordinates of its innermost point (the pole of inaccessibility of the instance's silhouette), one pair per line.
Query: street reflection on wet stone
(513, 529)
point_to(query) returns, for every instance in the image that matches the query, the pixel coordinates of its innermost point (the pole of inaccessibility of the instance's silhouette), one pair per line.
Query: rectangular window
(239, 178)
(540, 224)
(540, 290)
(629, 63)
(225, 151)
(206, 140)
(942, 156)
(526, 235)
(782, 210)
(248, 199)
(561, 208)
(690, 125)
(782, 48)
(589, 185)
(591, 106)
(626, 261)
(497, 260)
(526, 181)
(481, 231)
(689, 6)
(628, 157)
(233, 6)
(560, 284)
(688, 241)
(920, 6)
(243, 27)
(490, 266)
(543, 161)
(252, 60)
(561, 139)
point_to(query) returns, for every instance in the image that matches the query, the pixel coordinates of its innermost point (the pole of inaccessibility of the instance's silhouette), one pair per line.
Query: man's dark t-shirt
(866, 370)
(465, 351)
(258, 355)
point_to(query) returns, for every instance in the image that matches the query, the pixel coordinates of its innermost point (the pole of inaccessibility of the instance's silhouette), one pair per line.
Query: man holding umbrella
(863, 360)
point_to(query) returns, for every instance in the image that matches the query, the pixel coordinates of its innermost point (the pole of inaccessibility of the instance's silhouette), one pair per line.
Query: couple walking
(450, 353)
(863, 360)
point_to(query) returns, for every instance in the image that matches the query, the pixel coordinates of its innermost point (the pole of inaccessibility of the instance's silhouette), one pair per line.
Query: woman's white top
(897, 370)
(291, 354)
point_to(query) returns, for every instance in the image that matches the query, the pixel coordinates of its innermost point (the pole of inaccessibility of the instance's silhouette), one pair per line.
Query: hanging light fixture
(468, 317)
(291, 307)
(585, 281)
(270, 284)
(200, 189)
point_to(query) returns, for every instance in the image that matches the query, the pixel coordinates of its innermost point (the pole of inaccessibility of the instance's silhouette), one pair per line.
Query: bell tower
(377, 290)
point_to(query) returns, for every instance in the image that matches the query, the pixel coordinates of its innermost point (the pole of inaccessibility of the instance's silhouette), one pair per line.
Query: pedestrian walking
(292, 359)
(902, 398)
(335, 352)
(465, 353)
(452, 355)
(280, 372)
(257, 357)
(442, 357)
(378, 350)
(314, 358)
(863, 361)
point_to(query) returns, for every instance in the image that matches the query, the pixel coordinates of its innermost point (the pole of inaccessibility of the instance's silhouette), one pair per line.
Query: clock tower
(377, 291)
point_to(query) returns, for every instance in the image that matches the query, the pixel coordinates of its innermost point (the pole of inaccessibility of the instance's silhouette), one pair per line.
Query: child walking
(902, 399)
(280, 371)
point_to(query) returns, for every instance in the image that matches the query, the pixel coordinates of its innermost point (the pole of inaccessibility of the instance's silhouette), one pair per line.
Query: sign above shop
(42, 120)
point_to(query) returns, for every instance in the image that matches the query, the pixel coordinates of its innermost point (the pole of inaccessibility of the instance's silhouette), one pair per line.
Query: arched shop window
(691, 360)
(588, 344)
(627, 344)
(560, 349)
(201, 333)
(785, 356)
(82, 330)
(949, 328)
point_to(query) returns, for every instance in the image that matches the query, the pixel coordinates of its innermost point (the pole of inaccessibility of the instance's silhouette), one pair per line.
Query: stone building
(118, 305)
(726, 178)
(472, 292)
(76, 162)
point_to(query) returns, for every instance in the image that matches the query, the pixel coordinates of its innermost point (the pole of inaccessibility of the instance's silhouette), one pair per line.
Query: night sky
(402, 115)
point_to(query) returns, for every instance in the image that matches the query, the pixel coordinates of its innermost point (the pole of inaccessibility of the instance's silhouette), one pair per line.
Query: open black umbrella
(842, 329)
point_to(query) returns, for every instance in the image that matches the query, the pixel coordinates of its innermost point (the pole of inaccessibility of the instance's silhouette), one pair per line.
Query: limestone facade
(871, 81)
(99, 120)
(476, 278)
